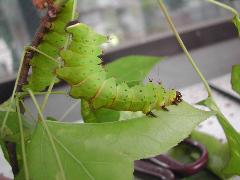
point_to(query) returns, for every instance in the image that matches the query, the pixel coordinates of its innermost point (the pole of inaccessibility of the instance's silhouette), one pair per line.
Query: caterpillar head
(178, 98)
(173, 97)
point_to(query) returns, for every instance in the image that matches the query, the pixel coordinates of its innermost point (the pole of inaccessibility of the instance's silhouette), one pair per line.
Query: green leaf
(233, 137)
(236, 21)
(235, 79)
(6, 106)
(4, 149)
(218, 152)
(11, 130)
(107, 150)
(99, 115)
(131, 68)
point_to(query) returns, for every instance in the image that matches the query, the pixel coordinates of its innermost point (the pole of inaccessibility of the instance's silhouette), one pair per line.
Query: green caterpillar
(83, 71)
(50, 39)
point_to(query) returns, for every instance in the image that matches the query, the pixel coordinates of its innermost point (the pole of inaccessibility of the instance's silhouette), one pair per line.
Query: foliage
(218, 152)
(106, 150)
(233, 138)
(131, 68)
(11, 130)
(235, 80)
(236, 21)
(105, 146)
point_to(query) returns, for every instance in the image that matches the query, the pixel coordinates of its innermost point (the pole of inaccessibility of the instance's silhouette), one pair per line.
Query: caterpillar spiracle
(88, 80)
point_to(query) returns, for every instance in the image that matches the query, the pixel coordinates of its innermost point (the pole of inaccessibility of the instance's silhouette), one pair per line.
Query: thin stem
(42, 53)
(72, 18)
(23, 94)
(27, 109)
(68, 110)
(224, 6)
(74, 9)
(25, 166)
(13, 93)
(49, 134)
(65, 47)
(173, 28)
(74, 158)
(47, 94)
(230, 132)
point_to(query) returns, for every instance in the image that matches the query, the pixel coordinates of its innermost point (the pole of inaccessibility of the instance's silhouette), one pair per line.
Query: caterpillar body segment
(88, 80)
(50, 40)
(73, 59)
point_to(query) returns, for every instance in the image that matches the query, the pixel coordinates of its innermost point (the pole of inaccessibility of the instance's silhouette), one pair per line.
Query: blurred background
(127, 22)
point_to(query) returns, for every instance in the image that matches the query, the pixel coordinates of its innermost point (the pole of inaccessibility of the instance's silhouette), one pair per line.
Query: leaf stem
(49, 134)
(189, 57)
(69, 110)
(224, 6)
(45, 100)
(74, 158)
(23, 94)
(13, 93)
(27, 109)
(22, 141)
(72, 18)
(231, 134)
(42, 53)
(65, 47)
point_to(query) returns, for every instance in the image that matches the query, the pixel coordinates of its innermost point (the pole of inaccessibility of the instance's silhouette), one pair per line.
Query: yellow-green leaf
(107, 150)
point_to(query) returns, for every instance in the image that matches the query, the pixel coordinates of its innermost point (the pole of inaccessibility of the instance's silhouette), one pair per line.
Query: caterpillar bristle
(150, 80)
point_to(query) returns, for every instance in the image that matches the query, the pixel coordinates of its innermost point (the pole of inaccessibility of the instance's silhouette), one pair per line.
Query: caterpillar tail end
(177, 99)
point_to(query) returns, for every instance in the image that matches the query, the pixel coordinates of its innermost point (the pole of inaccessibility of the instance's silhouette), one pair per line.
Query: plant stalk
(13, 94)
(181, 43)
(25, 166)
(224, 6)
(65, 47)
(69, 110)
(231, 134)
(42, 53)
(49, 134)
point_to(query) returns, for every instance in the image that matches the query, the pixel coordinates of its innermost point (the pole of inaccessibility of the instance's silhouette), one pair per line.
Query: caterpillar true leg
(164, 108)
(150, 113)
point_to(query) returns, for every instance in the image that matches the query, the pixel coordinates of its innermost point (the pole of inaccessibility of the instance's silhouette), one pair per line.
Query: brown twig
(45, 24)
(43, 28)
